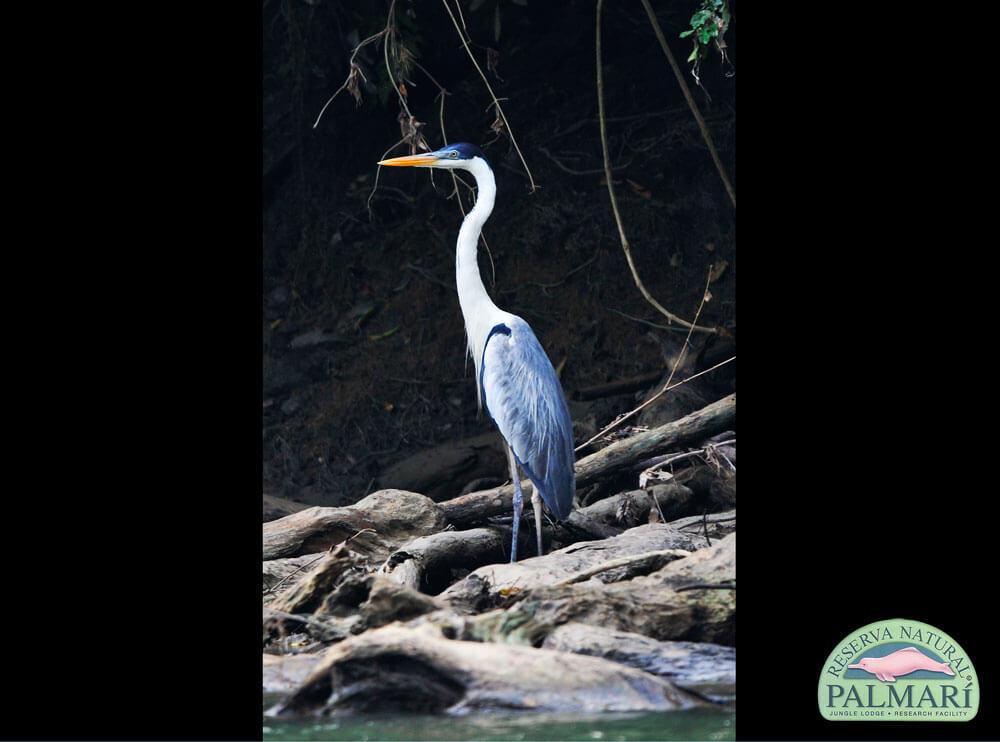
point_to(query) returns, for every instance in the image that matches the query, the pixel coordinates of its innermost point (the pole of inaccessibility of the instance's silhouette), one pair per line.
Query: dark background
(364, 361)
(867, 319)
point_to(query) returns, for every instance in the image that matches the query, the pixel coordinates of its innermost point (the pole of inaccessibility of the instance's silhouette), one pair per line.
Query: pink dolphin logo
(900, 662)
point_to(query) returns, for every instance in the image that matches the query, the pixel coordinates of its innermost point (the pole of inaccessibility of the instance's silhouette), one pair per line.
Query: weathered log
(389, 601)
(714, 485)
(709, 669)
(378, 523)
(404, 669)
(279, 507)
(281, 573)
(715, 417)
(306, 595)
(699, 424)
(655, 605)
(284, 673)
(629, 509)
(718, 525)
(489, 586)
(336, 600)
(425, 563)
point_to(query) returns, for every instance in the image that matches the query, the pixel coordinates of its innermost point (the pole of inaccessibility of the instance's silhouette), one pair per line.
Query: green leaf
(694, 55)
(685, 34)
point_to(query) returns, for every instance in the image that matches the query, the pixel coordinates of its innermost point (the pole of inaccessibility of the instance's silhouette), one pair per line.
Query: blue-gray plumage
(515, 378)
(522, 394)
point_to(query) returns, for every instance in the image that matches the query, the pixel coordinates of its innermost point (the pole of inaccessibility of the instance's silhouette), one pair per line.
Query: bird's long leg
(536, 503)
(518, 503)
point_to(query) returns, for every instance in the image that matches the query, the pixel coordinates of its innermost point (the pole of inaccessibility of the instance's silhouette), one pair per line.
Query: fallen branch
(618, 421)
(418, 563)
(381, 521)
(714, 418)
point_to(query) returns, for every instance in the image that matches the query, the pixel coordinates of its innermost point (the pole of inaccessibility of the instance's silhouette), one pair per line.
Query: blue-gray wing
(525, 399)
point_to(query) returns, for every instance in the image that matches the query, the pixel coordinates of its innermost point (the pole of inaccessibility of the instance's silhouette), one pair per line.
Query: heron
(515, 379)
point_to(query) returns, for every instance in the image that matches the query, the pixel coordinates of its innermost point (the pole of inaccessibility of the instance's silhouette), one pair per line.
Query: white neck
(479, 311)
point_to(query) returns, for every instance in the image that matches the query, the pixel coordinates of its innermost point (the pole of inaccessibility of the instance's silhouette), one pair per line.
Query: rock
(488, 586)
(397, 668)
(709, 669)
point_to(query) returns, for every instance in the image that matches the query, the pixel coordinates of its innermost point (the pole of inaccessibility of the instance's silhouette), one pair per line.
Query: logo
(898, 670)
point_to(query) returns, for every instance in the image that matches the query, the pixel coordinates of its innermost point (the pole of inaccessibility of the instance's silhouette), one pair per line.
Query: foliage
(708, 26)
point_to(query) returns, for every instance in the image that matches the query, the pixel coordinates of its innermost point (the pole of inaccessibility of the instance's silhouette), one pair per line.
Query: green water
(701, 724)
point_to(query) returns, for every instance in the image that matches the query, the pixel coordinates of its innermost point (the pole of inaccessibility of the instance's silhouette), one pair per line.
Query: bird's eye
(453, 154)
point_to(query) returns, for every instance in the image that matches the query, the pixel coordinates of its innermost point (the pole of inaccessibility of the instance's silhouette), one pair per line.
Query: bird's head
(461, 156)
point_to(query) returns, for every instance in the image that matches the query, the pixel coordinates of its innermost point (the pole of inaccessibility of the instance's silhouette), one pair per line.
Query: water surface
(698, 724)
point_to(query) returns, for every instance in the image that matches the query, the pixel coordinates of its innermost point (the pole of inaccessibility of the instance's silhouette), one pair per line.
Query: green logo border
(870, 699)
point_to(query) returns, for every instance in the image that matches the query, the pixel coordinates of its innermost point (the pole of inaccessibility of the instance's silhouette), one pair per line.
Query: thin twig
(706, 135)
(562, 280)
(378, 172)
(704, 586)
(298, 569)
(677, 362)
(385, 50)
(492, 94)
(645, 321)
(611, 192)
(571, 171)
(649, 401)
(622, 562)
(350, 65)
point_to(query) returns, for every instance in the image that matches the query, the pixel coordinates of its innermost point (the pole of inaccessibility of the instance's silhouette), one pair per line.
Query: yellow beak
(410, 161)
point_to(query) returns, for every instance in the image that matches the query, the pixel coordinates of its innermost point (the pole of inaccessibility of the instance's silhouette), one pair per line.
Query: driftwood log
(426, 563)
(714, 418)
(717, 525)
(397, 668)
(617, 513)
(334, 600)
(656, 605)
(285, 673)
(488, 586)
(709, 669)
(280, 573)
(279, 507)
(384, 520)
(377, 524)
